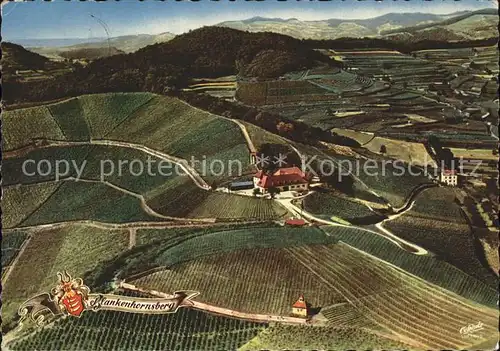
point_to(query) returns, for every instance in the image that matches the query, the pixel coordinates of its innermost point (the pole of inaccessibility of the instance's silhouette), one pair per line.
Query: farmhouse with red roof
(299, 308)
(284, 179)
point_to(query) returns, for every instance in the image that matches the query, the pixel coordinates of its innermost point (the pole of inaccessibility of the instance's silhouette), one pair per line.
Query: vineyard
(428, 268)
(171, 126)
(414, 310)
(438, 224)
(291, 337)
(265, 281)
(11, 245)
(69, 117)
(21, 127)
(148, 236)
(158, 122)
(77, 249)
(326, 204)
(109, 330)
(233, 207)
(87, 201)
(20, 201)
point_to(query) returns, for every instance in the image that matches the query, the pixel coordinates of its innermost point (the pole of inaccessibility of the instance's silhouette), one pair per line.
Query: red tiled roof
(295, 221)
(300, 303)
(283, 176)
(449, 172)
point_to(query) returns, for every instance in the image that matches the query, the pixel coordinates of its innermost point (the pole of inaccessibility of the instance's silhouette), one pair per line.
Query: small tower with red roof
(299, 308)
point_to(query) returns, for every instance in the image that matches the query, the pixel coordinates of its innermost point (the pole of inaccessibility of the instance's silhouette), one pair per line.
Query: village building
(449, 177)
(299, 308)
(284, 179)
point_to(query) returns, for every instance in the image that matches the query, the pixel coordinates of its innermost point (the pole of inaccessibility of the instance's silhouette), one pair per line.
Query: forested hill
(204, 52)
(15, 57)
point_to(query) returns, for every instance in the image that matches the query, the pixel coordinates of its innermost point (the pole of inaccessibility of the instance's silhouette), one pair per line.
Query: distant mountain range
(461, 25)
(123, 44)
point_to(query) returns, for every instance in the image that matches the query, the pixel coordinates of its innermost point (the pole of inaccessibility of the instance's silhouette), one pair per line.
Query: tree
(284, 128)
(383, 149)
(273, 191)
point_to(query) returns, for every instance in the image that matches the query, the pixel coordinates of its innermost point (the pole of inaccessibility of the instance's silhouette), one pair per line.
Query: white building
(449, 177)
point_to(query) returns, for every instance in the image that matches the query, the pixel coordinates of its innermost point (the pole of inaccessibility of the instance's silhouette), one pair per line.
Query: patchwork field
(171, 126)
(21, 127)
(81, 200)
(379, 293)
(20, 201)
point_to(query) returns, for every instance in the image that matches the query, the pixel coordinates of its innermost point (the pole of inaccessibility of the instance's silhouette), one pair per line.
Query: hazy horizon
(88, 20)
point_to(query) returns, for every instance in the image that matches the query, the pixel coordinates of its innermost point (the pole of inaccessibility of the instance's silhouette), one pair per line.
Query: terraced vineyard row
(265, 281)
(428, 268)
(383, 295)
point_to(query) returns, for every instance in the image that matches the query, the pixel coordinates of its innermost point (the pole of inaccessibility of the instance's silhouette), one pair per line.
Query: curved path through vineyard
(47, 143)
(402, 244)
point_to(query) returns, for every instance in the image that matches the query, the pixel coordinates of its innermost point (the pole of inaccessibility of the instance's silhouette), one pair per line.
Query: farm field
(412, 153)
(427, 267)
(373, 180)
(265, 281)
(152, 235)
(187, 329)
(181, 198)
(76, 248)
(438, 224)
(412, 309)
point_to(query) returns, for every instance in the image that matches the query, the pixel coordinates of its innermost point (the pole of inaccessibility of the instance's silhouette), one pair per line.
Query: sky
(71, 19)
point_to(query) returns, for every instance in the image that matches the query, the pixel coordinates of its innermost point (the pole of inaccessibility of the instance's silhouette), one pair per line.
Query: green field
(108, 330)
(150, 235)
(189, 246)
(69, 116)
(265, 281)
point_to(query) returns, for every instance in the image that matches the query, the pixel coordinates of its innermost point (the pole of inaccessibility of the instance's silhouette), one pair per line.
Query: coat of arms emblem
(70, 294)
